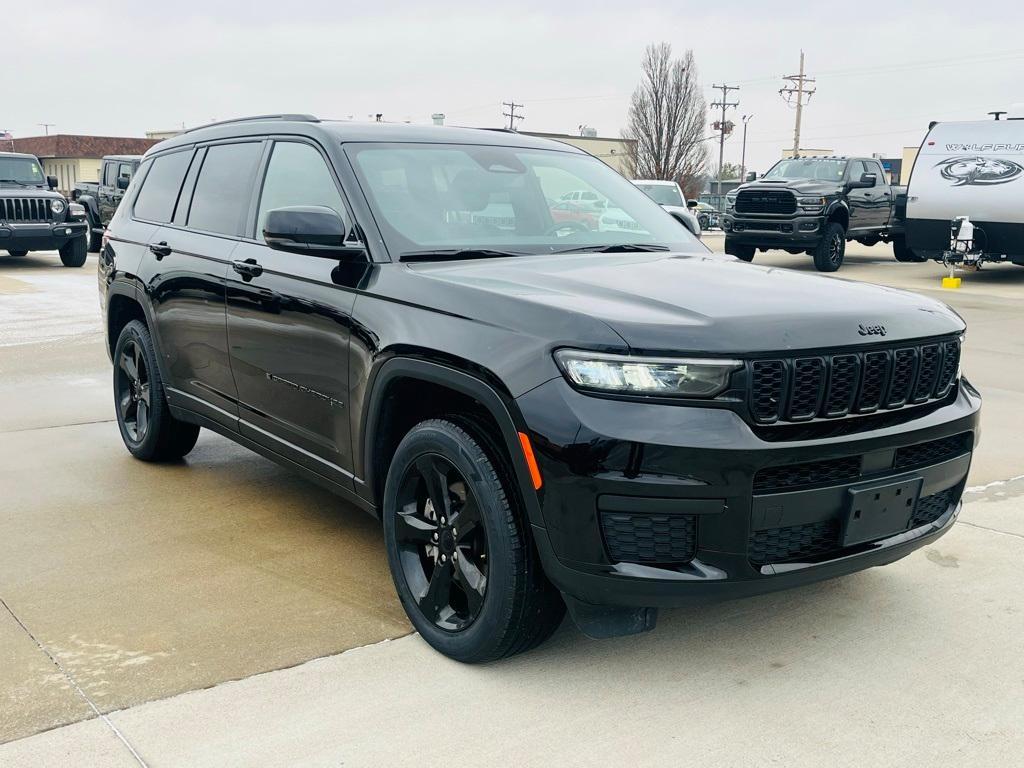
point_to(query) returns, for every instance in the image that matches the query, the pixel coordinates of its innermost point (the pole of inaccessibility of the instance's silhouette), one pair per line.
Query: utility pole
(743, 161)
(46, 127)
(794, 96)
(511, 114)
(723, 126)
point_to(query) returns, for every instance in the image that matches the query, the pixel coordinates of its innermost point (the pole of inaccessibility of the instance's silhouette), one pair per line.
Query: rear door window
(160, 189)
(224, 188)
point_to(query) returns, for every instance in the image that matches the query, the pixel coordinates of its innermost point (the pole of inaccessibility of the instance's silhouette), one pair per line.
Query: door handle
(248, 269)
(160, 249)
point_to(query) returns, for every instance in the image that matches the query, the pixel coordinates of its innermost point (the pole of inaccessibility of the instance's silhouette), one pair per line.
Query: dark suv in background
(611, 419)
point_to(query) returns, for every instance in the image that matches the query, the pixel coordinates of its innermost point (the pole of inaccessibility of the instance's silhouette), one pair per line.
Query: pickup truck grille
(832, 386)
(765, 201)
(28, 209)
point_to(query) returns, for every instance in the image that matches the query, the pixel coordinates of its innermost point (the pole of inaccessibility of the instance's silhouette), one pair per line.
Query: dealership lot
(125, 585)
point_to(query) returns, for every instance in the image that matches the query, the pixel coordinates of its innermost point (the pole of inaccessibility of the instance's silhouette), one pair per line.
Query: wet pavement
(124, 583)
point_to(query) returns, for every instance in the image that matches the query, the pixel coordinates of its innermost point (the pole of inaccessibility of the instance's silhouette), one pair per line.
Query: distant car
(582, 196)
(100, 199)
(575, 214)
(705, 213)
(669, 196)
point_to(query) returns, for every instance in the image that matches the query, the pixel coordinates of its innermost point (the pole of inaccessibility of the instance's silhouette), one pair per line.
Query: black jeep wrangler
(609, 419)
(101, 198)
(34, 217)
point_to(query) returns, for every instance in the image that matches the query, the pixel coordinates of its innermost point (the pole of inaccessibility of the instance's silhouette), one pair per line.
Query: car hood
(799, 186)
(695, 303)
(13, 190)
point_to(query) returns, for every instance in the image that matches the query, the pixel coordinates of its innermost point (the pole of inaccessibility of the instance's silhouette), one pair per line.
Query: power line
(723, 126)
(511, 114)
(788, 93)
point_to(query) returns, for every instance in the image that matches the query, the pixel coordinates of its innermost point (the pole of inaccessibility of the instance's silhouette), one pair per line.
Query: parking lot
(132, 594)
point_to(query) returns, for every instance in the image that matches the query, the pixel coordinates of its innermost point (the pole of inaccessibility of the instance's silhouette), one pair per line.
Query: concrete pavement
(137, 591)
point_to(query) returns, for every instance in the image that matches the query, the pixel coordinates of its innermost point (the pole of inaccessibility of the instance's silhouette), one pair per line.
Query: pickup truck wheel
(95, 239)
(904, 254)
(147, 427)
(741, 252)
(18, 254)
(459, 551)
(828, 256)
(75, 252)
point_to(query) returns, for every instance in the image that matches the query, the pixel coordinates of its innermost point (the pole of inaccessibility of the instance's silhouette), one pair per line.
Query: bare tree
(666, 120)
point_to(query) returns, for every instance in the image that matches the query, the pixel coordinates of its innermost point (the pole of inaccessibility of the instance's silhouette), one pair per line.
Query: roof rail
(298, 118)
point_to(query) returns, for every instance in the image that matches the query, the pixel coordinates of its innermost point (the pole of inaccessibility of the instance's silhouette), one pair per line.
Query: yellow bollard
(951, 282)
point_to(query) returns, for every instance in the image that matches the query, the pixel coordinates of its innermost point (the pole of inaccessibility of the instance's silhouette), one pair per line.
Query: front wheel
(95, 239)
(828, 256)
(741, 252)
(74, 252)
(149, 431)
(459, 548)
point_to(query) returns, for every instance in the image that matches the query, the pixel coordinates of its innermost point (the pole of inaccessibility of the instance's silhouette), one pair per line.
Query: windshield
(449, 197)
(662, 194)
(822, 169)
(22, 170)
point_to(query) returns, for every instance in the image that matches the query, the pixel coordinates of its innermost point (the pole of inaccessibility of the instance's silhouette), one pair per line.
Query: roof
(18, 154)
(347, 131)
(67, 145)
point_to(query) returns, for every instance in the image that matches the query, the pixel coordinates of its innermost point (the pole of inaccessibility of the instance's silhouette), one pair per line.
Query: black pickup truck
(102, 198)
(814, 205)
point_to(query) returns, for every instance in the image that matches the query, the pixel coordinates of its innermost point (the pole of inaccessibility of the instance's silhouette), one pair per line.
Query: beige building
(613, 152)
(75, 158)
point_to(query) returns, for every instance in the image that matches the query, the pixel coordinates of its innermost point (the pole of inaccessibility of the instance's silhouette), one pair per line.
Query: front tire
(741, 252)
(828, 256)
(149, 431)
(95, 240)
(17, 253)
(75, 252)
(458, 546)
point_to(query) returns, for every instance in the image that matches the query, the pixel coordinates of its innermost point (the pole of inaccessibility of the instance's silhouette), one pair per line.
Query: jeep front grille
(833, 386)
(14, 210)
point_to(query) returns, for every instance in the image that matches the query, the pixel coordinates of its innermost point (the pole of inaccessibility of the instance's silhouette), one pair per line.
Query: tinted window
(856, 170)
(297, 175)
(124, 171)
(879, 172)
(160, 190)
(222, 192)
(109, 171)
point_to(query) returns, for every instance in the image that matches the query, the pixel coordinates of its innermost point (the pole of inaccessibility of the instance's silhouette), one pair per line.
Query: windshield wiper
(15, 181)
(617, 248)
(458, 253)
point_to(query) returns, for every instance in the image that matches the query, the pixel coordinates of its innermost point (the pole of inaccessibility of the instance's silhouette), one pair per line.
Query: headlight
(57, 206)
(681, 377)
(811, 202)
(730, 202)
(76, 211)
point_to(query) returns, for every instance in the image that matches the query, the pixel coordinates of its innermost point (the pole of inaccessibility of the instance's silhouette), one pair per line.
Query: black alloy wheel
(828, 256)
(442, 543)
(133, 390)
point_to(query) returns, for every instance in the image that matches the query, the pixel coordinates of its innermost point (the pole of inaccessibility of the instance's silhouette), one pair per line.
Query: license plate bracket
(877, 511)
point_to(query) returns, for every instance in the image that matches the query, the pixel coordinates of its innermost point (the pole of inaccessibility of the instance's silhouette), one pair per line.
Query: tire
(429, 560)
(17, 253)
(95, 240)
(828, 256)
(75, 252)
(149, 431)
(904, 254)
(741, 252)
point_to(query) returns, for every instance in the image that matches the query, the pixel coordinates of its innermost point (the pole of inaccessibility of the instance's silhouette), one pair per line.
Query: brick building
(75, 158)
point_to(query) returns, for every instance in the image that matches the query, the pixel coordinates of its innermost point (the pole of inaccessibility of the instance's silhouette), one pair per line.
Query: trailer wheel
(902, 253)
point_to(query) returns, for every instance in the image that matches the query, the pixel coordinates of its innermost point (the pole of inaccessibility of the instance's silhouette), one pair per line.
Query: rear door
(190, 258)
(289, 325)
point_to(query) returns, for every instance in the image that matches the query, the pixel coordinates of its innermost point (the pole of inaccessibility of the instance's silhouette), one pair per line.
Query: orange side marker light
(531, 461)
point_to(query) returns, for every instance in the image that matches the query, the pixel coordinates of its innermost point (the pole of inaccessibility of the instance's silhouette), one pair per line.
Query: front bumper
(40, 237)
(773, 232)
(601, 456)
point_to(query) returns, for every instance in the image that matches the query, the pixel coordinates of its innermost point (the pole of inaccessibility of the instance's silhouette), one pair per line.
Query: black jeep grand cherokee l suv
(610, 419)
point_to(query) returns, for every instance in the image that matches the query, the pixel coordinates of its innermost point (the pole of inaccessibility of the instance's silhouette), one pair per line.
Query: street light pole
(743, 161)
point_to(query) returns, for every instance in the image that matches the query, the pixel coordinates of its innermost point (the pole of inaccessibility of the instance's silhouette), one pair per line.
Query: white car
(669, 196)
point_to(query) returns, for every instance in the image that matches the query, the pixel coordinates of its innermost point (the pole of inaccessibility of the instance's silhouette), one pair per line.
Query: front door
(862, 208)
(288, 326)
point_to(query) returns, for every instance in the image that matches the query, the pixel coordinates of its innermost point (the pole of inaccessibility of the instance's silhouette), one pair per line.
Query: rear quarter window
(160, 188)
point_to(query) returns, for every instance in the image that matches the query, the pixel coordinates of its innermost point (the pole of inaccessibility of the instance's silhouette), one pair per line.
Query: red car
(567, 212)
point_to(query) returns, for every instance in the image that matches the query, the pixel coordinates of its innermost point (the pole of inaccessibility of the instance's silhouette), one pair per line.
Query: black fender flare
(501, 409)
(92, 208)
(838, 205)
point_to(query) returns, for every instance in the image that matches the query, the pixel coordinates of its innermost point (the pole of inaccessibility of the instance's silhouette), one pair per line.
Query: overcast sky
(884, 69)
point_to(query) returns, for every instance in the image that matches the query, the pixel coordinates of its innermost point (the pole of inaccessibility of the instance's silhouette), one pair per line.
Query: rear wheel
(902, 253)
(828, 256)
(459, 548)
(147, 427)
(74, 252)
(18, 253)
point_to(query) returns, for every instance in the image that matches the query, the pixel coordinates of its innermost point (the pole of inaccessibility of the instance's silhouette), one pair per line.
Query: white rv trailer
(972, 170)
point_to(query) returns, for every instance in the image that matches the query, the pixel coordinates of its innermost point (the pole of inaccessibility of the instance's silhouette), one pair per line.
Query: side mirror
(751, 176)
(51, 182)
(692, 204)
(313, 230)
(865, 181)
(122, 182)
